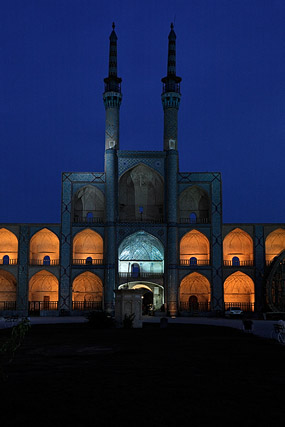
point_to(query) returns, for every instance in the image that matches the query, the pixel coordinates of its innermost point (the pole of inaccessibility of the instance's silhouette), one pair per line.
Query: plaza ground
(181, 375)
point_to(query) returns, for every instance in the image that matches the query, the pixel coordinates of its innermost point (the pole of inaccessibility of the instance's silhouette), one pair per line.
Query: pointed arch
(8, 246)
(194, 205)
(8, 290)
(274, 244)
(194, 244)
(87, 292)
(239, 291)
(195, 288)
(44, 243)
(87, 247)
(88, 204)
(43, 289)
(238, 248)
(141, 195)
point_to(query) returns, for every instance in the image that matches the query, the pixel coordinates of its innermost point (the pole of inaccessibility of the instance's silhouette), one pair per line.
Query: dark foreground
(183, 375)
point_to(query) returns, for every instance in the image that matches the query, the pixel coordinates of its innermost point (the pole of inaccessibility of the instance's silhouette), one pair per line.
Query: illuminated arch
(88, 204)
(44, 244)
(8, 290)
(198, 286)
(141, 195)
(274, 244)
(43, 286)
(87, 244)
(8, 246)
(87, 291)
(194, 204)
(275, 285)
(194, 245)
(239, 291)
(238, 248)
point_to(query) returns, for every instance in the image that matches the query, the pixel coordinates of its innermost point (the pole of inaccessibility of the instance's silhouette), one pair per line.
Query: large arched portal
(239, 291)
(195, 293)
(87, 247)
(141, 255)
(194, 249)
(43, 291)
(87, 292)
(141, 194)
(44, 248)
(8, 288)
(88, 205)
(238, 248)
(153, 294)
(274, 244)
(8, 247)
(194, 205)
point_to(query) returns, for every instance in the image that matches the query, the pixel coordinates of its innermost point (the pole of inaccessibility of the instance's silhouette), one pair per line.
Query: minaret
(112, 97)
(171, 95)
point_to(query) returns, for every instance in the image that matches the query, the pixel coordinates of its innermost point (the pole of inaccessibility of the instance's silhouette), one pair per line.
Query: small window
(6, 259)
(89, 217)
(46, 260)
(235, 261)
(141, 209)
(193, 218)
(89, 260)
(135, 270)
(193, 260)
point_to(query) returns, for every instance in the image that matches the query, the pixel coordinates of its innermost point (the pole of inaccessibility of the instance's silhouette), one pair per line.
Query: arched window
(193, 260)
(6, 259)
(46, 260)
(193, 218)
(193, 303)
(235, 261)
(89, 217)
(135, 270)
(89, 260)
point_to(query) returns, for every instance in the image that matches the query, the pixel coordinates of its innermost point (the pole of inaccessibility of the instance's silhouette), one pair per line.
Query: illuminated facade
(141, 224)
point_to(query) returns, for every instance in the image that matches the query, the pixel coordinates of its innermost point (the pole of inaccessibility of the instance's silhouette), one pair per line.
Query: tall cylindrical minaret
(171, 95)
(112, 97)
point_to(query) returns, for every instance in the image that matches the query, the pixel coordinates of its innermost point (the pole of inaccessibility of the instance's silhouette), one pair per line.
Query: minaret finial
(113, 25)
(172, 25)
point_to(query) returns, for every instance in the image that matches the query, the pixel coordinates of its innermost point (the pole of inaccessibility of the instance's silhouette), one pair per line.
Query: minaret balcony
(113, 87)
(171, 87)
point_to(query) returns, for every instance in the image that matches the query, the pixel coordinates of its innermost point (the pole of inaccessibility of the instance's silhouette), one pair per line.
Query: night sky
(54, 57)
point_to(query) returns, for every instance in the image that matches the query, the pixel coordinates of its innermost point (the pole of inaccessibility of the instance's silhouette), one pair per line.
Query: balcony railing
(197, 220)
(84, 220)
(199, 306)
(140, 275)
(7, 305)
(42, 305)
(88, 261)
(190, 263)
(8, 261)
(142, 219)
(44, 262)
(231, 263)
(87, 305)
(244, 306)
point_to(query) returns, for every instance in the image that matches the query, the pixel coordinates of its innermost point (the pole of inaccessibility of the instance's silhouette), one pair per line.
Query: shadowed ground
(182, 375)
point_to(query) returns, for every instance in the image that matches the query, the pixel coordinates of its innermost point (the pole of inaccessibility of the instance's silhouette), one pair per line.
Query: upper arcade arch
(239, 291)
(274, 244)
(194, 249)
(8, 290)
(141, 195)
(88, 205)
(87, 247)
(8, 247)
(194, 205)
(238, 248)
(44, 248)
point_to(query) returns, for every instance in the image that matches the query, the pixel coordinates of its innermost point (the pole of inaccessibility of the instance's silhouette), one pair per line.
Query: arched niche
(87, 247)
(141, 252)
(87, 292)
(194, 205)
(195, 292)
(275, 285)
(194, 244)
(141, 195)
(44, 245)
(8, 247)
(43, 287)
(274, 244)
(239, 291)
(8, 290)
(88, 205)
(238, 248)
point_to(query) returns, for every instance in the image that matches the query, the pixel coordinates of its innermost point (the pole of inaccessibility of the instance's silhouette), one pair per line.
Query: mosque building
(141, 224)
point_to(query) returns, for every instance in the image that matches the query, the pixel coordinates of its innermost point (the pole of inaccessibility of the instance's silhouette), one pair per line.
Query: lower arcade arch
(195, 293)
(239, 291)
(43, 291)
(153, 297)
(87, 292)
(8, 291)
(275, 285)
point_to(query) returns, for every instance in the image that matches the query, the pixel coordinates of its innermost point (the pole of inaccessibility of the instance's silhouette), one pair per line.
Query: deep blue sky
(54, 56)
